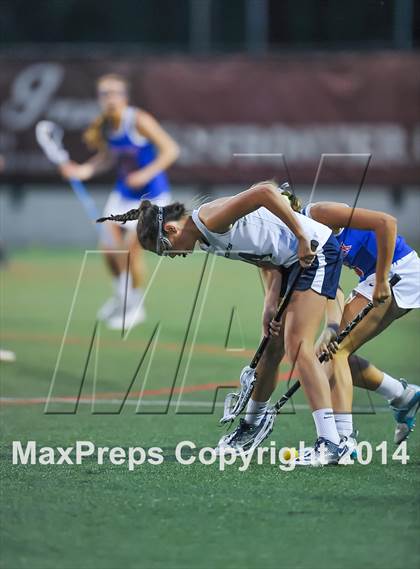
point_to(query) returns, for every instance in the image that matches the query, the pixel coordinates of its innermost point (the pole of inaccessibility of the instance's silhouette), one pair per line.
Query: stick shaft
(280, 311)
(84, 197)
(358, 318)
(277, 318)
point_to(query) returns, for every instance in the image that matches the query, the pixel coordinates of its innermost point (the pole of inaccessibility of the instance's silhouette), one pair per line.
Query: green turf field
(170, 515)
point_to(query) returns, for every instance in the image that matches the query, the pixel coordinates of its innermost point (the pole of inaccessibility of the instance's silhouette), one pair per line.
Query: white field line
(152, 403)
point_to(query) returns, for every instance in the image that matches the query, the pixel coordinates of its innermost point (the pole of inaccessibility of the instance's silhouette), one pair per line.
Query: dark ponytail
(147, 226)
(130, 215)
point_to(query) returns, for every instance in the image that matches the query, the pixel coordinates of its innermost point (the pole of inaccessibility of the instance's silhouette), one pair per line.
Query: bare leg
(374, 323)
(116, 261)
(112, 263)
(364, 374)
(113, 260)
(137, 264)
(267, 367)
(302, 319)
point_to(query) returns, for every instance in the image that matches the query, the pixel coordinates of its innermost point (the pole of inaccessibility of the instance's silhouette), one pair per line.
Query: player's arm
(333, 316)
(335, 309)
(168, 150)
(218, 216)
(100, 162)
(338, 215)
(266, 276)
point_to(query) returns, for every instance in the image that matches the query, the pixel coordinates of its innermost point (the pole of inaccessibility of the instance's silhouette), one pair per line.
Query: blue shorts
(323, 276)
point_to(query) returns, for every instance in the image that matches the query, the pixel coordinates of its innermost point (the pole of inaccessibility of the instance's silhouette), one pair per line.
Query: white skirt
(407, 290)
(116, 203)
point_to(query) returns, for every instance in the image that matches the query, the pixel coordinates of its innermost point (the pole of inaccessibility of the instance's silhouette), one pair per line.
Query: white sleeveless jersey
(261, 238)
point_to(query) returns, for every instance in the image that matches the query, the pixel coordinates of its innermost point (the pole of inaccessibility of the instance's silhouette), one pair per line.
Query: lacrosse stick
(341, 336)
(50, 137)
(267, 423)
(235, 402)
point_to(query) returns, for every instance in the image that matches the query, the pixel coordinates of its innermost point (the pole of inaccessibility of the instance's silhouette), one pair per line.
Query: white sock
(344, 423)
(123, 285)
(255, 411)
(116, 285)
(325, 425)
(390, 387)
(134, 296)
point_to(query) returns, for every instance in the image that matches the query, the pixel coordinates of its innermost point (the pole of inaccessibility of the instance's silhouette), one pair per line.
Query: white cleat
(405, 409)
(133, 316)
(350, 442)
(109, 309)
(246, 438)
(7, 356)
(324, 453)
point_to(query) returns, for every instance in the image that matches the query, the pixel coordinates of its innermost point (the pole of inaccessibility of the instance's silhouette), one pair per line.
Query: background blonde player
(133, 141)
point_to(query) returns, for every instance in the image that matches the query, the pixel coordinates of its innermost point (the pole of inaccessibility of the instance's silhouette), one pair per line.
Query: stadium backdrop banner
(343, 106)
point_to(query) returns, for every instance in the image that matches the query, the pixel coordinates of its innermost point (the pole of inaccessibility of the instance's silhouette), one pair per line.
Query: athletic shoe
(7, 356)
(235, 403)
(109, 309)
(246, 437)
(405, 408)
(134, 315)
(351, 442)
(324, 453)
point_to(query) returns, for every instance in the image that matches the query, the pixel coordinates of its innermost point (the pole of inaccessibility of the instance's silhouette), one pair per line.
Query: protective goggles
(162, 243)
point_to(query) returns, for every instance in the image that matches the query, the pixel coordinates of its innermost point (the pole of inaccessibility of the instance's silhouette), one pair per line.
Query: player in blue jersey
(367, 251)
(131, 140)
(373, 249)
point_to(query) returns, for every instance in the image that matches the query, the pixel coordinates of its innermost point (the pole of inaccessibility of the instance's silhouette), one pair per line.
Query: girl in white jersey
(258, 226)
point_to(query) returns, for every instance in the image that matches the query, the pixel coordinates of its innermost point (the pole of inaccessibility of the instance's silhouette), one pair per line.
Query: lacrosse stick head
(231, 444)
(229, 406)
(235, 403)
(50, 137)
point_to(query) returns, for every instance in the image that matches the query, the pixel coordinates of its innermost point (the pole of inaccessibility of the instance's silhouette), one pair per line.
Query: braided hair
(147, 216)
(130, 215)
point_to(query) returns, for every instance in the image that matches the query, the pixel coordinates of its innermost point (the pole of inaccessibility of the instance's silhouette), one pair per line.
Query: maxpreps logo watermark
(187, 453)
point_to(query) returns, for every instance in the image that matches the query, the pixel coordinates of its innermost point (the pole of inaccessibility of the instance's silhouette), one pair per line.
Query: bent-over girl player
(133, 140)
(258, 226)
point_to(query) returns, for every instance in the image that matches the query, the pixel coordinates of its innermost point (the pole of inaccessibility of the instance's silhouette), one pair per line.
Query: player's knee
(298, 349)
(358, 364)
(342, 354)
